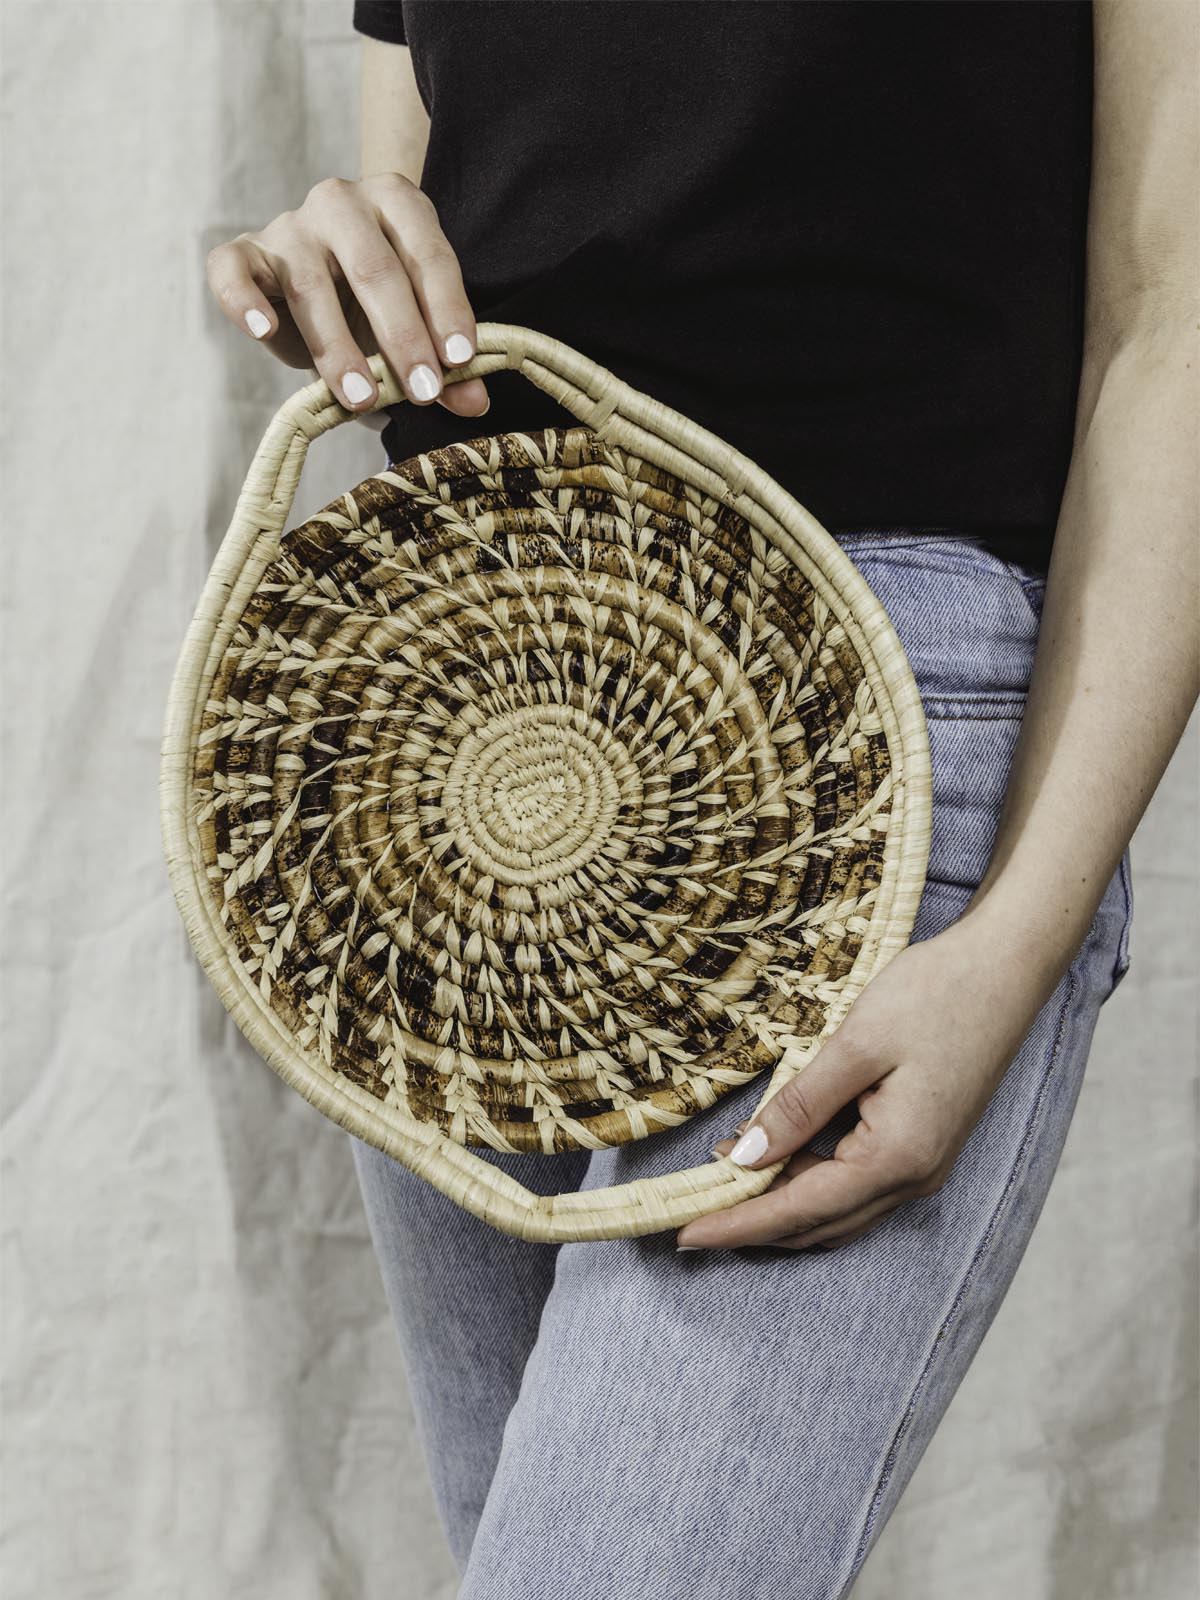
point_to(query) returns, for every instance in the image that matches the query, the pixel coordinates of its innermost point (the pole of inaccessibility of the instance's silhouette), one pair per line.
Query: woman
(903, 259)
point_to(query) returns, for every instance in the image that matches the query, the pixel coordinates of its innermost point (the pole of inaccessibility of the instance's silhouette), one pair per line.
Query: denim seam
(968, 1277)
(1026, 581)
(880, 545)
(974, 710)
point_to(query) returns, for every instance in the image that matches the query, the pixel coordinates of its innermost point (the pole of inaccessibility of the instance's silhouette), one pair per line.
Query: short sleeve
(379, 20)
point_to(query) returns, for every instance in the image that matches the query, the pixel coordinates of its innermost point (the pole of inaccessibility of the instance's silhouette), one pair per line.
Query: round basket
(541, 789)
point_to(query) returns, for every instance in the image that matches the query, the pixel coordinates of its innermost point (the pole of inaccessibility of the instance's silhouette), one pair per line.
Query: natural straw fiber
(540, 790)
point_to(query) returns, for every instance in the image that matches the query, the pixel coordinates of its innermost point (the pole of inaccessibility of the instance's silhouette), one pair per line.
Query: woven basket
(541, 790)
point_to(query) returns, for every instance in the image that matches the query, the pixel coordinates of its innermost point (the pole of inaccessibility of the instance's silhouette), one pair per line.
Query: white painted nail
(459, 348)
(423, 381)
(355, 387)
(749, 1147)
(680, 1247)
(257, 323)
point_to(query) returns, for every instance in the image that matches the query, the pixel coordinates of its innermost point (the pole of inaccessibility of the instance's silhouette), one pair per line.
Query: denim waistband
(907, 534)
(850, 530)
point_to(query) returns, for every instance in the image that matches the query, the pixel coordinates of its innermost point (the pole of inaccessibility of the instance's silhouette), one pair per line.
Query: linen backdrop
(203, 1393)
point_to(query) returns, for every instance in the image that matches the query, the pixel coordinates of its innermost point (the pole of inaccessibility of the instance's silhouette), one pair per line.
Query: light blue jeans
(613, 1421)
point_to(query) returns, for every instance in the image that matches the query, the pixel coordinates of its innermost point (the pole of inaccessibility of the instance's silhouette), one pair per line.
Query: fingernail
(355, 387)
(424, 382)
(257, 323)
(680, 1247)
(742, 1126)
(717, 1152)
(459, 348)
(749, 1147)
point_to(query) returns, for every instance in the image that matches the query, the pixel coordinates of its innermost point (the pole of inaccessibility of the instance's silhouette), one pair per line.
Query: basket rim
(635, 422)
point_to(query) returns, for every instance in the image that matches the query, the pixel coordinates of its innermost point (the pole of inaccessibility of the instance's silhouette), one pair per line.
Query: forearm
(393, 137)
(393, 122)
(1117, 667)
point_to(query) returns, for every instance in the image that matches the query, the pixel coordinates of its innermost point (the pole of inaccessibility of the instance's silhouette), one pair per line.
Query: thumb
(798, 1111)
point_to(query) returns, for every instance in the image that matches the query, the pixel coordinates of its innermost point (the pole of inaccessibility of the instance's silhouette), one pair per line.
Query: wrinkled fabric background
(203, 1395)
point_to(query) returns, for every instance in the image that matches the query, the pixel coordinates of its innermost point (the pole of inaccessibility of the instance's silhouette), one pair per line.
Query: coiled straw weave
(540, 790)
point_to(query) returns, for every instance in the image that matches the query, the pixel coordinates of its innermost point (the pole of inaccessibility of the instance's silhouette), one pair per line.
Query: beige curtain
(203, 1392)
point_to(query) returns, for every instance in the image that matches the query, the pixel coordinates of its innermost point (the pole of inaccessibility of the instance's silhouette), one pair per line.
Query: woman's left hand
(923, 1048)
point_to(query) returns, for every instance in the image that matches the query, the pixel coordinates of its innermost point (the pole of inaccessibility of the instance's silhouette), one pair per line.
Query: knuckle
(224, 268)
(856, 1048)
(420, 200)
(279, 228)
(303, 280)
(388, 180)
(393, 183)
(793, 1110)
(328, 191)
(369, 270)
(432, 252)
(930, 1182)
(920, 1162)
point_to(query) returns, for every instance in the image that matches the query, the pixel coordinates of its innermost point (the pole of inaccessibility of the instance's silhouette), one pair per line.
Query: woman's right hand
(362, 267)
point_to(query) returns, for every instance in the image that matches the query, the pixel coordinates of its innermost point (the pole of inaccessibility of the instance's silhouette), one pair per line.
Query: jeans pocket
(967, 618)
(968, 621)
(970, 760)
(1031, 583)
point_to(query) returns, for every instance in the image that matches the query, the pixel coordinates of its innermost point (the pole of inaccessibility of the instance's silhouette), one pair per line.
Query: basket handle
(618, 412)
(587, 390)
(634, 420)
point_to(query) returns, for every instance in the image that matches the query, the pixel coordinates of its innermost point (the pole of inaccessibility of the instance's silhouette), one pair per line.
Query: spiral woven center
(534, 794)
(540, 794)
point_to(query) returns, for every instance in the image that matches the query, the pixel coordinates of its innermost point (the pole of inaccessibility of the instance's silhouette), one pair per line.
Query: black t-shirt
(847, 237)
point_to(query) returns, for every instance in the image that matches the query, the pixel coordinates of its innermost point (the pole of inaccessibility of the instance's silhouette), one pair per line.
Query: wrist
(1035, 952)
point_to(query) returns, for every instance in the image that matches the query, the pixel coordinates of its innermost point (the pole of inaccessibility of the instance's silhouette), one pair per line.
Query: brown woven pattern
(538, 792)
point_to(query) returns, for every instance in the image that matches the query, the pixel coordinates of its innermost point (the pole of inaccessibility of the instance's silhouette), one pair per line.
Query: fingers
(378, 246)
(336, 226)
(846, 1228)
(342, 224)
(843, 1068)
(824, 1193)
(468, 399)
(243, 283)
(408, 219)
(317, 310)
(792, 1167)
(724, 1146)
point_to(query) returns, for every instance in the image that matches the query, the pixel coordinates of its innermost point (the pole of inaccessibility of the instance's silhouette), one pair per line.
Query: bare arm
(1116, 671)
(361, 266)
(393, 137)
(393, 124)
(1114, 679)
